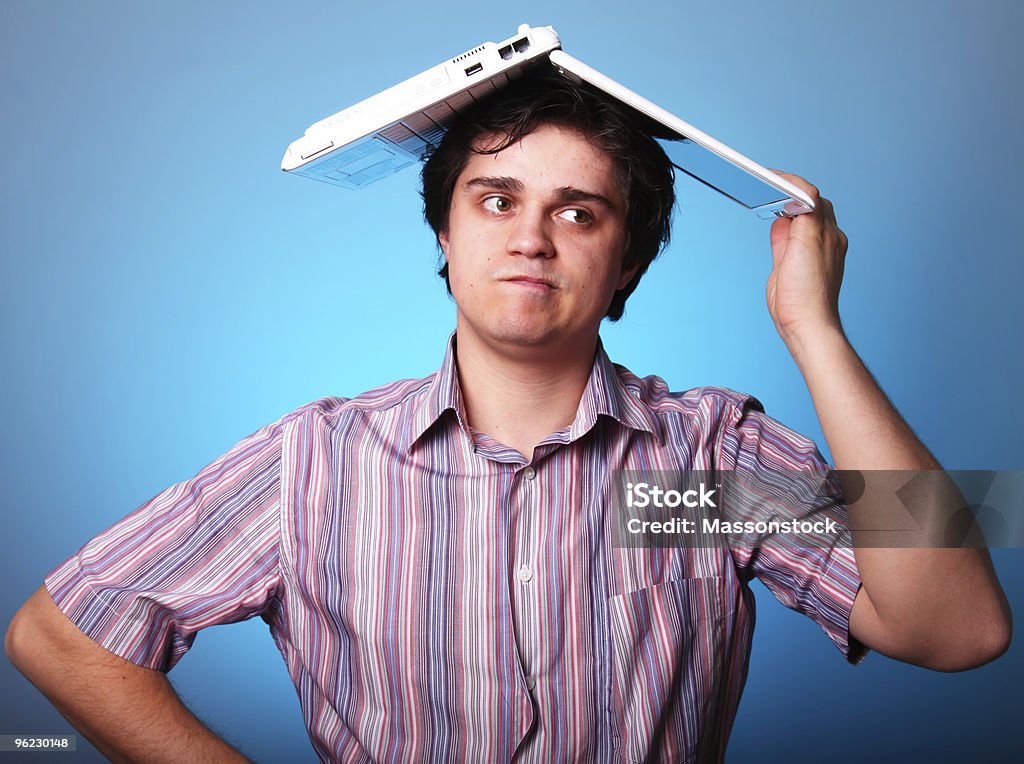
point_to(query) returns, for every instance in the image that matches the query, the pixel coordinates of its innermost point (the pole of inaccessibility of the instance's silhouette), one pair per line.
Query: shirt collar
(605, 394)
(443, 394)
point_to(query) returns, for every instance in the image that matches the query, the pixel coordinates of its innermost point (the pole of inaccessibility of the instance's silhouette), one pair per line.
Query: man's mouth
(534, 282)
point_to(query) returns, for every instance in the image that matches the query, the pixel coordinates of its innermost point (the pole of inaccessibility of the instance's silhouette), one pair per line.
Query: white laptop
(700, 156)
(396, 127)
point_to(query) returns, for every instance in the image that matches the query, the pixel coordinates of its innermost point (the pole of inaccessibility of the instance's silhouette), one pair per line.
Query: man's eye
(580, 217)
(497, 204)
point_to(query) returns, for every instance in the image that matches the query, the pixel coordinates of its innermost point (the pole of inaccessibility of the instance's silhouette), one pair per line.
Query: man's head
(642, 172)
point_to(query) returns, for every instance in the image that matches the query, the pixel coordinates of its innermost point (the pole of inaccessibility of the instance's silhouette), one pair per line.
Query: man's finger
(800, 183)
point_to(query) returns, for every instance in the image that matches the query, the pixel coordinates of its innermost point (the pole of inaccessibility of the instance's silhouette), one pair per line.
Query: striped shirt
(437, 598)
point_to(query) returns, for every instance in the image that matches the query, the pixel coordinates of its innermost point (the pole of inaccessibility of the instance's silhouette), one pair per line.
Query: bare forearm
(130, 713)
(863, 430)
(142, 725)
(131, 721)
(938, 607)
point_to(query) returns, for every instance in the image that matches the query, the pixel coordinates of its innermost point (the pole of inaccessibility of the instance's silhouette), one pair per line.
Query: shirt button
(529, 473)
(525, 574)
(531, 683)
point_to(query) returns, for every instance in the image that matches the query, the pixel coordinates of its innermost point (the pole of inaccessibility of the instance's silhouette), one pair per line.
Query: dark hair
(545, 97)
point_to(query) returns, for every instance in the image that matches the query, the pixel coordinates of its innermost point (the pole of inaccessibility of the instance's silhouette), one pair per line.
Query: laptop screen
(720, 174)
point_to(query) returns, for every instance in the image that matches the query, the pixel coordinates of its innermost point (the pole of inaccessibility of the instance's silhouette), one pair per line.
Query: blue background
(165, 290)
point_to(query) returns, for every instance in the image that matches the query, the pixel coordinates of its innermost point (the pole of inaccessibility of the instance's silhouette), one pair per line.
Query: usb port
(471, 70)
(521, 45)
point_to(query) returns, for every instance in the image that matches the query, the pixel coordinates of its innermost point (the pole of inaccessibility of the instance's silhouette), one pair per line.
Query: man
(434, 557)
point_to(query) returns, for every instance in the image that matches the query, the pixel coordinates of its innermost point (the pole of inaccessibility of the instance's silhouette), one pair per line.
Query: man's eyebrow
(572, 194)
(502, 183)
(565, 194)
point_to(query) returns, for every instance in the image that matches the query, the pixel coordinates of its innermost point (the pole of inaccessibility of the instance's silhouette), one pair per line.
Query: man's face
(535, 241)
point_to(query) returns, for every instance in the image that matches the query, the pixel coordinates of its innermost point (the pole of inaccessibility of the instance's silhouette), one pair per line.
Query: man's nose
(529, 235)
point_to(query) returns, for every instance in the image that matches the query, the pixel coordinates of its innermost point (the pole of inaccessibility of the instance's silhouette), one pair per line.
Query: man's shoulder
(398, 394)
(655, 393)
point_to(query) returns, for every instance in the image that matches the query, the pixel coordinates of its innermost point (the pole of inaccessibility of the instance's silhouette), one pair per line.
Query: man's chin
(523, 330)
(538, 337)
(533, 335)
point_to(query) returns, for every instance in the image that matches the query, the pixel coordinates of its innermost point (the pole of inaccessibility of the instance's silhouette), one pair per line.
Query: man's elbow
(15, 642)
(30, 640)
(23, 641)
(996, 639)
(987, 640)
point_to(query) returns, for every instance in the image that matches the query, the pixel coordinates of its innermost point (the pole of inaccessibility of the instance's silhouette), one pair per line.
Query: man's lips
(534, 281)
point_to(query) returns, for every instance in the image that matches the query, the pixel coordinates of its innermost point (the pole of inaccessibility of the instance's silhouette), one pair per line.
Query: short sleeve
(201, 553)
(818, 579)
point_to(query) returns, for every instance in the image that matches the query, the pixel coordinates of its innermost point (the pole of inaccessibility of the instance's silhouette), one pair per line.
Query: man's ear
(626, 275)
(442, 239)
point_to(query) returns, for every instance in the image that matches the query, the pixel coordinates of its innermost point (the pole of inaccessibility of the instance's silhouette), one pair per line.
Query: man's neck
(519, 396)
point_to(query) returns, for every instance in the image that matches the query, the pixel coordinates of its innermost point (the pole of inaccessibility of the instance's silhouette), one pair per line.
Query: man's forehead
(495, 142)
(496, 161)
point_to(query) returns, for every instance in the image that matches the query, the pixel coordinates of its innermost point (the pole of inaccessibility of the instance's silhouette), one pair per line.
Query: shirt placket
(526, 587)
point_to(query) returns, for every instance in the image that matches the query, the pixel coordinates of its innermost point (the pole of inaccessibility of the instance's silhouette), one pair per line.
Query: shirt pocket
(668, 652)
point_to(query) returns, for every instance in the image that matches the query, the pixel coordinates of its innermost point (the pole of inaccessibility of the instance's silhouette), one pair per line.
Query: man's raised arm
(130, 713)
(938, 608)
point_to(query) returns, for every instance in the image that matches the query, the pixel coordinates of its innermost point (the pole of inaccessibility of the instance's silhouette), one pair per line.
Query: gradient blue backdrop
(165, 290)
